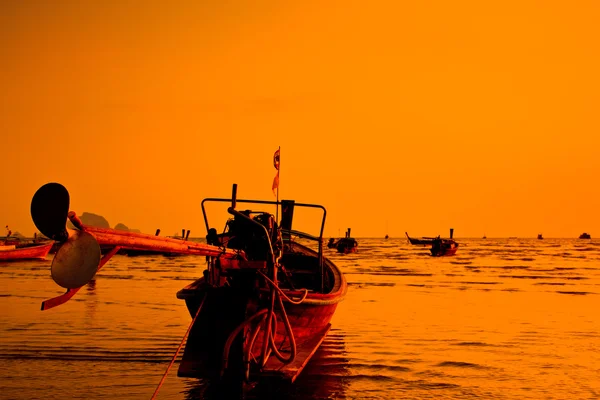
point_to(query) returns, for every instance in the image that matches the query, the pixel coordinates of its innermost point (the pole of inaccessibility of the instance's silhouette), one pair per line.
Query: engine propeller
(49, 209)
(77, 260)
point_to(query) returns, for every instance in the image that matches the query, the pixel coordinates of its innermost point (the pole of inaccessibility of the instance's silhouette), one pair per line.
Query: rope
(178, 349)
(276, 287)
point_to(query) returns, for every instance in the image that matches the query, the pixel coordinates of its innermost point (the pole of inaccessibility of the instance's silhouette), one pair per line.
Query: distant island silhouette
(91, 219)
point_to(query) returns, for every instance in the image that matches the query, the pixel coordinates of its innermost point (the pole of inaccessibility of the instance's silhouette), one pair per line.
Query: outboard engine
(250, 238)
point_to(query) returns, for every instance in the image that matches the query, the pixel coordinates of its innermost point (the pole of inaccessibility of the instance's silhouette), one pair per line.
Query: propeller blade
(49, 208)
(76, 261)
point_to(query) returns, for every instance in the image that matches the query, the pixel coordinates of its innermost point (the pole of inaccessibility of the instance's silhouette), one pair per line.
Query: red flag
(276, 165)
(276, 160)
(276, 182)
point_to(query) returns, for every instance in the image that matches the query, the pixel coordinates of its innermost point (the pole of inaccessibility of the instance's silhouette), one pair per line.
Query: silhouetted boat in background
(25, 251)
(585, 236)
(420, 241)
(262, 307)
(21, 248)
(441, 247)
(346, 244)
(539, 236)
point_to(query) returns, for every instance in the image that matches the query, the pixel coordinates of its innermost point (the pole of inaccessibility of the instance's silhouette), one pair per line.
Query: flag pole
(278, 169)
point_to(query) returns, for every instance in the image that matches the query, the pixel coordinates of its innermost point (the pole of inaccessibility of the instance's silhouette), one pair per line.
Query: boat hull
(346, 245)
(39, 251)
(447, 248)
(225, 308)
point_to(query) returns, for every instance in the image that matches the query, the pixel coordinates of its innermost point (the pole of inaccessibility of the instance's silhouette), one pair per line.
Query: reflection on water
(507, 319)
(325, 377)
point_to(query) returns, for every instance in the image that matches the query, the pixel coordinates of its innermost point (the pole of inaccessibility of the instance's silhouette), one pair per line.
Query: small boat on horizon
(420, 241)
(344, 245)
(441, 247)
(539, 236)
(585, 236)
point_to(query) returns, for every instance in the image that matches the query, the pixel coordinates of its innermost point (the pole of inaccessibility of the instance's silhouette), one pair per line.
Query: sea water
(502, 319)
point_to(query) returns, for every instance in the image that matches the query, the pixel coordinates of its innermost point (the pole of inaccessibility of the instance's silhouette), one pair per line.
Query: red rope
(178, 349)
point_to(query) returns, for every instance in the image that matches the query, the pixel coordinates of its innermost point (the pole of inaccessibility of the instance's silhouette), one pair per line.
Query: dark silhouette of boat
(344, 245)
(443, 247)
(422, 241)
(585, 236)
(439, 246)
(259, 312)
(539, 236)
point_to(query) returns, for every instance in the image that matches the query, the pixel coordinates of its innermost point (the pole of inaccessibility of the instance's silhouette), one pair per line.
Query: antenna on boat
(233, 195)
(276, 164)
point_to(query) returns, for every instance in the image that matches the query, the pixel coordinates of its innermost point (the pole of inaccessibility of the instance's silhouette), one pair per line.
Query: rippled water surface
(503, 319)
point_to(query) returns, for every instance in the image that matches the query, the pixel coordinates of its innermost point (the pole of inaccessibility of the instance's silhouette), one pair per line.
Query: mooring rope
(178, 349)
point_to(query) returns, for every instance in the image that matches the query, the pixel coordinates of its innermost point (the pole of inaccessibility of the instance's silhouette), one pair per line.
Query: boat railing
(319, 238)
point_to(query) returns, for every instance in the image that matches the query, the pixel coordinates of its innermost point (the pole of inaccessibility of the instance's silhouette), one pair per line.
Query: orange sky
(480, 116)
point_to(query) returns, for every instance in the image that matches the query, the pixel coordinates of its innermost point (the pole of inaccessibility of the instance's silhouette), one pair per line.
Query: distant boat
(25, 251)
(387, 237)
(585, 236)
(444, 247)
(540, 236)
(484, 237)
(424, 240)
(345, 245)
(439, 246)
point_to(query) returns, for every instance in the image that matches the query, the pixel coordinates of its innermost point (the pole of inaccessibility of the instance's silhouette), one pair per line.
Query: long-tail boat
(422, 241)
(441, 247)
(263, 305)
(25, 251)
(346, 244)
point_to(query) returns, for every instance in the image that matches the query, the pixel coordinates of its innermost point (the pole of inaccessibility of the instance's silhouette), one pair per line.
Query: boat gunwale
(336, 295)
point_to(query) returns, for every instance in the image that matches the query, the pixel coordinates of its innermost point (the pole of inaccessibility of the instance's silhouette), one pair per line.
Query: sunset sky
(396, 116)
